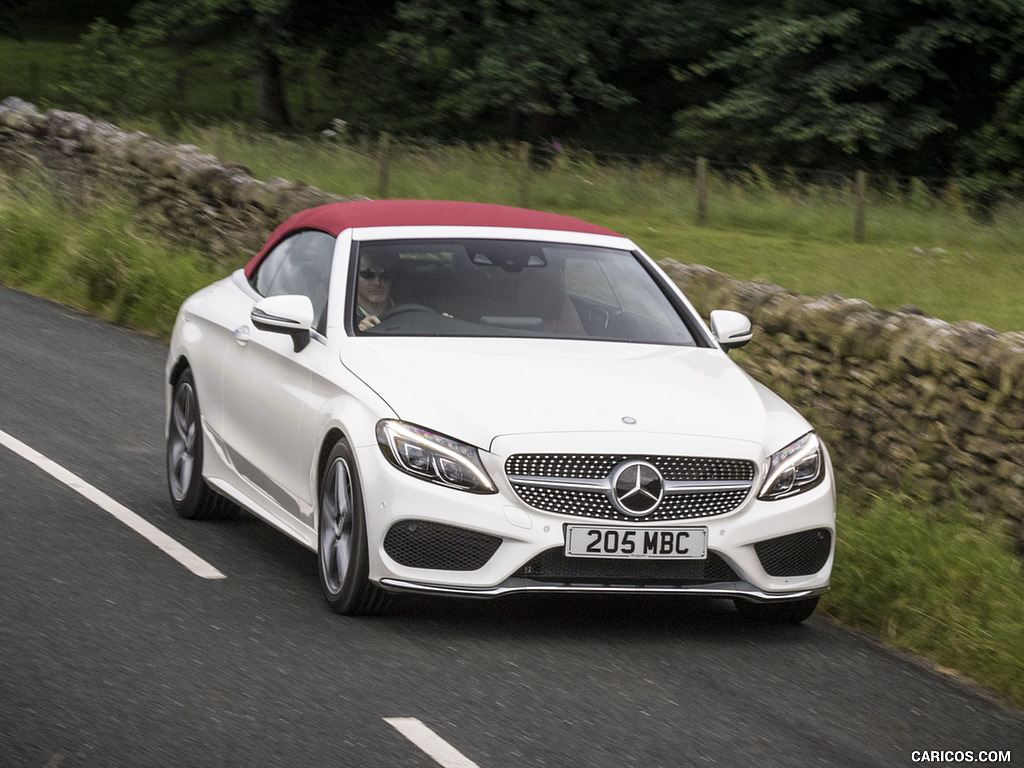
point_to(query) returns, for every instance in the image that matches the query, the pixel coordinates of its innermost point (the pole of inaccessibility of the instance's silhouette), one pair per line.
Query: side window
(299, 265)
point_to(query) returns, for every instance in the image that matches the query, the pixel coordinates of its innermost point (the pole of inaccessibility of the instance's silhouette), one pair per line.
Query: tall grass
(939, 583)
(95, 256)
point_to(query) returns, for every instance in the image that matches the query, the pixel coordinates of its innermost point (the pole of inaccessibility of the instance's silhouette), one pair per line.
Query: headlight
(796, 468)
(433, 457)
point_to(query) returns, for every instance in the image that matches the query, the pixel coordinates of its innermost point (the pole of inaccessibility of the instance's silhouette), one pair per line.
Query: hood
(476, 390)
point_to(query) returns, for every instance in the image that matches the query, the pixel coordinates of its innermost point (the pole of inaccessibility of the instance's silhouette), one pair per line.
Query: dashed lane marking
(440, 750)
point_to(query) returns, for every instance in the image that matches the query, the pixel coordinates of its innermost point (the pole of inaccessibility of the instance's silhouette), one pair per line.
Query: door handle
(242, 335)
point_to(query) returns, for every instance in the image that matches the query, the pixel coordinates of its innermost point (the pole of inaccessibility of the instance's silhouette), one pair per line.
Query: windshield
(511, 288)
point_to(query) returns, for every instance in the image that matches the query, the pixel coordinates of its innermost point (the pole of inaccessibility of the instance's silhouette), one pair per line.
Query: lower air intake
(798, 554)
(553, 566)
(419, 544)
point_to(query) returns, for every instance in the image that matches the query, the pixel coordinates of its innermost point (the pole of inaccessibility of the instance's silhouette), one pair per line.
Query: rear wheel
(789, 612)
(342, 546)
(190, 495)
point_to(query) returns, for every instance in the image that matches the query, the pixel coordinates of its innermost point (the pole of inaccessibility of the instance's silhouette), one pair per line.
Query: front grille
(596, 466)
(553, 566)
(419, 544)
(798, 554)
(597, 504)
(550, 482)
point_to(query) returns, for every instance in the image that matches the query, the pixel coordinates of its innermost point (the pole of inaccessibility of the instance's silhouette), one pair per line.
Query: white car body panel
(513, 386)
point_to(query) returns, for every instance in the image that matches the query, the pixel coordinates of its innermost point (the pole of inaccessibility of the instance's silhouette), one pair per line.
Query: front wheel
(190, 495)
(342, 547)
(789, 612)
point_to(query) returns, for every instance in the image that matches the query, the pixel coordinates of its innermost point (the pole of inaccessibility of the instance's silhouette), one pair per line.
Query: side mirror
(731, 329)
(292, 315)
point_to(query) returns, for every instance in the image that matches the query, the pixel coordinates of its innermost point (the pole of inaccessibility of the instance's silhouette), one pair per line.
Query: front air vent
(552, 566)
(798, 554)
(420, 544)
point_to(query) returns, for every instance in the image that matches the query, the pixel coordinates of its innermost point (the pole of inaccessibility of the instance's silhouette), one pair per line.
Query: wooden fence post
(861, 198)
(34, 79)
(702, 191)
(384, 161)
(524, 174)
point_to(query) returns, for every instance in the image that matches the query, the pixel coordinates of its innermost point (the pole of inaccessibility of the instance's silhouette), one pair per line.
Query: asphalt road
(114, 654)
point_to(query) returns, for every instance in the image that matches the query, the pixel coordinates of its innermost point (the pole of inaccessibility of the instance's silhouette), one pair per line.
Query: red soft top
(337, 217)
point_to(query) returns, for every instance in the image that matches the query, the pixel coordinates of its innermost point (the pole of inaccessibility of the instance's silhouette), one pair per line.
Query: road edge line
(143, 527)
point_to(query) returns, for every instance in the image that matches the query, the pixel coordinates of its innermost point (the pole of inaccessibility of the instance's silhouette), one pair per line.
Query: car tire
(789, 612)
(342, 551)
(191, 497)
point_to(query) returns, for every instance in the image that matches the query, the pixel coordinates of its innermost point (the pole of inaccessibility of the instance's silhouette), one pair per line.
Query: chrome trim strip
(605, 484)
(261, 315)
(259, 480)
(706, 486)
(568, 483)
(724, 589)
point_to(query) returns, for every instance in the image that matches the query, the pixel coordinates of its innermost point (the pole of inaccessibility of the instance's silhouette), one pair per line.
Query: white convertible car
(476, 400)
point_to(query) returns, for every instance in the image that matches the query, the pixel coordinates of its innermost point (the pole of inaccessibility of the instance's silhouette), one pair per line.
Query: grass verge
(939, 583)
(95, 257)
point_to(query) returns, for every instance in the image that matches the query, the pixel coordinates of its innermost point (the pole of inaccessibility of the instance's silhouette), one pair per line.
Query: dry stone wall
(193, 197)
(903, 400)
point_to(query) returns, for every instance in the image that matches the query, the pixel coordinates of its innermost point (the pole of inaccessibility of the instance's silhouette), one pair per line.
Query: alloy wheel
(336, 531)
(181, 450)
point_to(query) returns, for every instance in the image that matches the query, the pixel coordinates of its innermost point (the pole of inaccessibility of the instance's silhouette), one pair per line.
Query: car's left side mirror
(731, 329)
(292, 315)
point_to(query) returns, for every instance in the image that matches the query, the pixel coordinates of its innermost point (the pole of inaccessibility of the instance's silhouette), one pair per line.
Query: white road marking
(424, 738)
(148, 531)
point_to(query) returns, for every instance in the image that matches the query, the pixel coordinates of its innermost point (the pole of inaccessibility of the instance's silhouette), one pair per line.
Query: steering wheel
(405, 309)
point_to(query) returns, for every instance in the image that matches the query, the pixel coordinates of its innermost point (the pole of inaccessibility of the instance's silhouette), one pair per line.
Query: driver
(373, 290)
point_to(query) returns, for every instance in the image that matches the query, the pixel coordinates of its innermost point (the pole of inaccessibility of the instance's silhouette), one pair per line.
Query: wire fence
(527, 166)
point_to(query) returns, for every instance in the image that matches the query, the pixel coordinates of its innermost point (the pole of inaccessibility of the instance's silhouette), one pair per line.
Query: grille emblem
(637, 488)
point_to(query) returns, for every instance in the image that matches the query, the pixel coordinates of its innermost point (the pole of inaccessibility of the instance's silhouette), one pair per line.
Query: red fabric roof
(337, 217)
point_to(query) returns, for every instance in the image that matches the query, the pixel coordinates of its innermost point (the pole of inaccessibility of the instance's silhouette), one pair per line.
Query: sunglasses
(369, 274)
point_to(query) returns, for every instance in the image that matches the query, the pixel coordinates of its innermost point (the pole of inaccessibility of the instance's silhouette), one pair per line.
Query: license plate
(639, 543)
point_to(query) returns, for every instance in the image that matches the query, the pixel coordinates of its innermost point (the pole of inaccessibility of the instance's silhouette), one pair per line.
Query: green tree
(992, 158)
(518, 62)
(256, 33)
(261, 37)
(111, 75)
(874, 82)
(9, 25)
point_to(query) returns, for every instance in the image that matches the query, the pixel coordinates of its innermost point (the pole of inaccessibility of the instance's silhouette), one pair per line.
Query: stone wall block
(20, 116)
(64, 125)
(748, 298)
(247, 191)
(98, 137)
(138, 148)
(151, 157)
(776, 314)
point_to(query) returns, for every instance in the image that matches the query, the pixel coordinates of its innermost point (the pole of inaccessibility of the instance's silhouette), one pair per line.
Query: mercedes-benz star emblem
(637, 488)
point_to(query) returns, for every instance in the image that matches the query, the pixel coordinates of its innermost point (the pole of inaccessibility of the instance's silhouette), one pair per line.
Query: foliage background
(920, 88)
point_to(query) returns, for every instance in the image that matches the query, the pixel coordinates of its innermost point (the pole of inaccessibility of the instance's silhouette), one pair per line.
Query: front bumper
(519, 548)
